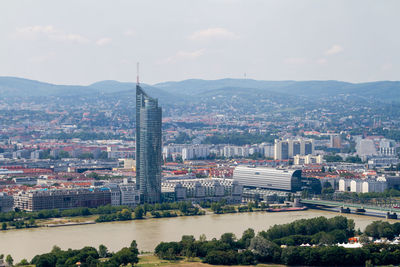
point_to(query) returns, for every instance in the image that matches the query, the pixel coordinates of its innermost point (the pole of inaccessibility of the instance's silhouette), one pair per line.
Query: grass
(151, 260)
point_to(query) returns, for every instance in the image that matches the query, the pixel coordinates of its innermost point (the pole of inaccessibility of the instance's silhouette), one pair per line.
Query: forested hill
(192, 89)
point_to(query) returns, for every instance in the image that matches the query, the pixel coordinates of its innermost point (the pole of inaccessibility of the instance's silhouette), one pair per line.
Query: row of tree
(110, 212)
(266, 246)
(88, 257)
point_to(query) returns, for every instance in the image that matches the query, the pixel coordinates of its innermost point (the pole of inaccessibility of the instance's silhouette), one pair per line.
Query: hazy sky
(83, 41)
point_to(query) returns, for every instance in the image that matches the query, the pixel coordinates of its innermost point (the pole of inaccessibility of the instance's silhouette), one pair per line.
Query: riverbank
(150, 232)
(92, 219)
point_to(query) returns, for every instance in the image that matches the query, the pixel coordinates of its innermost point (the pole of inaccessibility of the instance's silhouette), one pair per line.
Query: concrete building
(62, 198)
(387, 147)
(120, 153)
(269, 150)
(308, 159)
(344, 185)
(362, 186)
(204, 189)
(268, 178)
(288, 148)
(195, 152)
(6, 202)
(366, 147)
(336, 141)
(382, 161)
(235, 151)
(130, 196)
(37, 154)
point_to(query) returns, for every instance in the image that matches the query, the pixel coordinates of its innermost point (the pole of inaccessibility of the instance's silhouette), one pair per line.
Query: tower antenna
(137, 73)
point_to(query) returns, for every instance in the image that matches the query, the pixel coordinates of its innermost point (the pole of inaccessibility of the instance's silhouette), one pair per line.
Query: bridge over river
(390, 212)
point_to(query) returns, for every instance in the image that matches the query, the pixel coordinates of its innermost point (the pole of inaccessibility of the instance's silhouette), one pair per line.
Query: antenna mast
(137, 73)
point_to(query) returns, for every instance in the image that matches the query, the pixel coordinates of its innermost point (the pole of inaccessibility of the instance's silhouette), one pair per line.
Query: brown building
(62, 199)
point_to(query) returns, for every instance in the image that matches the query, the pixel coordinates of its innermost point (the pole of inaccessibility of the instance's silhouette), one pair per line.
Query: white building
(268, 178)
(288, 148)
(308, 159)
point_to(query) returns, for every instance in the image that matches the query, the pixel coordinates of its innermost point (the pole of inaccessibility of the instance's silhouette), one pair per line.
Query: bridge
(345, 207)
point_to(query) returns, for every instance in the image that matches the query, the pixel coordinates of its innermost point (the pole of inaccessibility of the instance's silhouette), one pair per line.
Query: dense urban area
(224, 146)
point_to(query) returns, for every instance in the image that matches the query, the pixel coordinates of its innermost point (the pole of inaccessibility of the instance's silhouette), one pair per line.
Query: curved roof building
(269, 178)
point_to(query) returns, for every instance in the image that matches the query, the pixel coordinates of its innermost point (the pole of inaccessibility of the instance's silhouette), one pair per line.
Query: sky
(85, 41)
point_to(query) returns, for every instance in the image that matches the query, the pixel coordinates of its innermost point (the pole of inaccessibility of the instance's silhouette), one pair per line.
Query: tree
(133, 247)
(9, 260)
(23, 262)
(264, 249)
(124, 256)
(103, 251)
(202, 238)
(4, 226)
(246, 237)
(228, 238)
(364, 239)
(139, 211)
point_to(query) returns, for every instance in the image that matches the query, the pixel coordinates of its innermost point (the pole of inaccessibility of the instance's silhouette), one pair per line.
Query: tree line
(22, 219)
(280, 245)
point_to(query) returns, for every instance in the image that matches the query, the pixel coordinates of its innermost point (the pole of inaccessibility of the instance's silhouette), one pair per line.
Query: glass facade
(148, 147)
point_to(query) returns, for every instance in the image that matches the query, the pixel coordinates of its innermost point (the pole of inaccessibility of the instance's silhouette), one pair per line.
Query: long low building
(268, 178)
(204, 189)
(62, 199)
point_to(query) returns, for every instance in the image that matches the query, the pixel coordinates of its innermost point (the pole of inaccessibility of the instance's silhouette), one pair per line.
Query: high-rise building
(286, 149)
(148, 147)
(336, 141)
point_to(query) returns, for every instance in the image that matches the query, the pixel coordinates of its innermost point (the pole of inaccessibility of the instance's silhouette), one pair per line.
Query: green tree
(124, 256)
(139, 212)
(264, 249)
(103, 251)
(9, 260)
(23, 262)
(247, 236)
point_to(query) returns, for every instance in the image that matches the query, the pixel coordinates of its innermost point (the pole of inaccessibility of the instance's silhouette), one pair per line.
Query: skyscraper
(148, 147)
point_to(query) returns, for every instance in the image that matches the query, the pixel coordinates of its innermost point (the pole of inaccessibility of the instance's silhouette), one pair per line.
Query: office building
(6, 202)
(268, 178)
(148, 147)
(62, 199)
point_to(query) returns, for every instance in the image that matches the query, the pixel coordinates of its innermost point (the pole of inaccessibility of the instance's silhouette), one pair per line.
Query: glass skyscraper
(148, 147)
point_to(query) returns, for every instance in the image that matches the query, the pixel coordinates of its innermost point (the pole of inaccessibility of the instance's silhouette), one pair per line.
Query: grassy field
(151, 261)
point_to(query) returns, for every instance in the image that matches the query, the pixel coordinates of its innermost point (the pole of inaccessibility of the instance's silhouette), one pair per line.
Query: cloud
(387, 67)
(322, 61)
(103, 41)
(295, 60)
(335, 49)
(213, 33)
(49, 31)
(129, 32)
(183, 55)
(42, 58)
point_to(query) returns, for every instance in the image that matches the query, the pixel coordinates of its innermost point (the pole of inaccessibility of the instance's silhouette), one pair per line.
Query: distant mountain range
(195, 89)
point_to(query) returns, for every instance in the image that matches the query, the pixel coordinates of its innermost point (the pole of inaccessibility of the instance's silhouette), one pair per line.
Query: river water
(148, 233)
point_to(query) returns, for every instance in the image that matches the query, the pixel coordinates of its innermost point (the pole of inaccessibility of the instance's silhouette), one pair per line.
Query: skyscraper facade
(148, 147)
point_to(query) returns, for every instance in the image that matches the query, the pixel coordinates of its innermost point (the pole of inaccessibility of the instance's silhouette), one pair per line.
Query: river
(27, 243)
